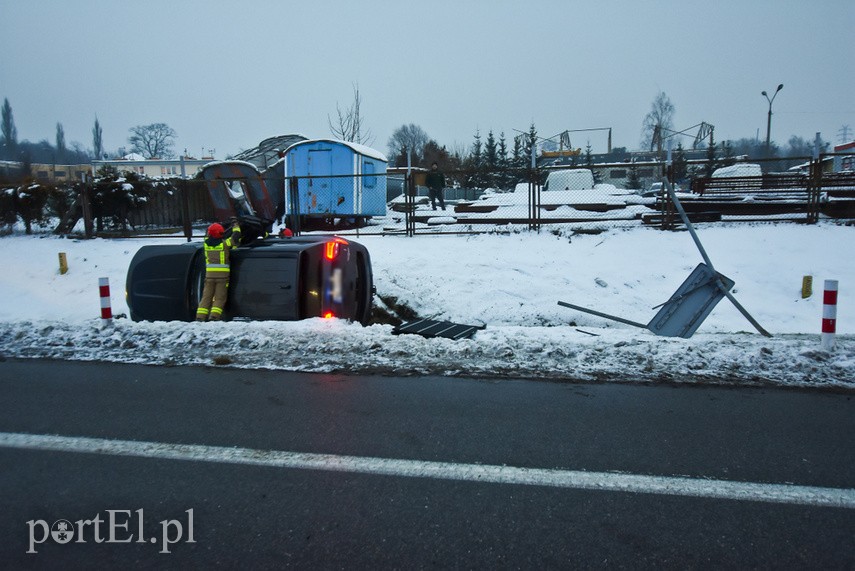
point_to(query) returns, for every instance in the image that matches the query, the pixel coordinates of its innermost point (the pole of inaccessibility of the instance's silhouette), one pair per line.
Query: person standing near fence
(435, 182)
(218, 248)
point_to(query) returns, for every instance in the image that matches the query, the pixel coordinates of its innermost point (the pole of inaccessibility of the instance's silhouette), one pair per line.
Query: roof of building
(356, 147)
(267, 151)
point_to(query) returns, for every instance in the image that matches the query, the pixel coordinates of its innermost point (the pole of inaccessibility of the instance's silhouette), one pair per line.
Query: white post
(106, 310)
(829, 314)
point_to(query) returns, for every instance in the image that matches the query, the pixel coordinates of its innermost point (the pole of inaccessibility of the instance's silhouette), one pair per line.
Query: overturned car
(271, 279)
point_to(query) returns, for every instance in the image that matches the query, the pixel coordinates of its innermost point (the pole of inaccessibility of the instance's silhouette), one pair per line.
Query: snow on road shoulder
(512, 283)
(550, 353)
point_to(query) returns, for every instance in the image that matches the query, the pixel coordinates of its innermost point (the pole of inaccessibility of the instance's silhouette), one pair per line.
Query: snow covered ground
(509, 282)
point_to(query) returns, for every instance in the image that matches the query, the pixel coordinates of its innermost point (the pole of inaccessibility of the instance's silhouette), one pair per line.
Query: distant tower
(843, 135)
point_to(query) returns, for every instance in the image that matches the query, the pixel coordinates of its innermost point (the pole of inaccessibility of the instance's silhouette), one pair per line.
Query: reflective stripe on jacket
(217, 256)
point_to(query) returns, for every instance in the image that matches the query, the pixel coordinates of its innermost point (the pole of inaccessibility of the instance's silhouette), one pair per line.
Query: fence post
(185, 202)
(185, 210)
(86, 209)
(814, 190)
(294, 194)
(667, 203)
(409, 204)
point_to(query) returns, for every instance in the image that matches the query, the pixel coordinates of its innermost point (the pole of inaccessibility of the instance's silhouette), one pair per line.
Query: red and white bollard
(829, 314)
(106, 311)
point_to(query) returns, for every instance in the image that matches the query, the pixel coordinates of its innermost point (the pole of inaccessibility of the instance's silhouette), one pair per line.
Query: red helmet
(216, 230)
(286, 233)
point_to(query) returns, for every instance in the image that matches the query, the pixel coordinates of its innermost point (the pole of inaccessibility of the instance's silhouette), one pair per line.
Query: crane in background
(704, 130)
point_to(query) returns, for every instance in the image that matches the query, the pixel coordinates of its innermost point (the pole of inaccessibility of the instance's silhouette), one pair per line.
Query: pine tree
(530, 144)
(477, 156)
(490, 160)
(710, 165)
(517, 160)
(505, 180)
(589, 163)
(476, 162)
(490, 154)
(679, 164)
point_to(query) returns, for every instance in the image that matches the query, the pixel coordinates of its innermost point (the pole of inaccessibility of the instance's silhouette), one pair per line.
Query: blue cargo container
(329, 179)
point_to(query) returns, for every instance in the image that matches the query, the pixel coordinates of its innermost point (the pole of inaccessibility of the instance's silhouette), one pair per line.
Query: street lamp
(769, 118)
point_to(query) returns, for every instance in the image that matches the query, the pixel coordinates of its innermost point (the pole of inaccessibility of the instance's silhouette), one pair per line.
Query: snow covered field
(510, 282)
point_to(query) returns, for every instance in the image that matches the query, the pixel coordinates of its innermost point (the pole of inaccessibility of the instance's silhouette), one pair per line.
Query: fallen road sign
(432, 328)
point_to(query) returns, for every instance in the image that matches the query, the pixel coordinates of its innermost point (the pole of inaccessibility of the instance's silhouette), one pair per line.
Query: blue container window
(369, 180)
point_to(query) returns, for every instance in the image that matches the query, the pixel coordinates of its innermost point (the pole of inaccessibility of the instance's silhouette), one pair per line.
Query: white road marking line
(602, 481)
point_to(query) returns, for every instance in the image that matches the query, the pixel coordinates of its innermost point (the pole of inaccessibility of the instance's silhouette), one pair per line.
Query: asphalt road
(328, 471)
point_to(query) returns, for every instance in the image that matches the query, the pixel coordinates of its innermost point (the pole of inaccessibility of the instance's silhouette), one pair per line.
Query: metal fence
(578, 199)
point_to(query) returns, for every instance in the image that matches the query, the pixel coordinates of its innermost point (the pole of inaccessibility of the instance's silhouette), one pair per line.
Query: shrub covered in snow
(28, 202)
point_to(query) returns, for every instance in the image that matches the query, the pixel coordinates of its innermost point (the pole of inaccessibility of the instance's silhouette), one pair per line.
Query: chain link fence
(597, 198)
(568, 198)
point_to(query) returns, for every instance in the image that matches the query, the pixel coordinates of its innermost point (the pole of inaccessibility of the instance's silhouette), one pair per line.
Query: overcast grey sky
(227, 74)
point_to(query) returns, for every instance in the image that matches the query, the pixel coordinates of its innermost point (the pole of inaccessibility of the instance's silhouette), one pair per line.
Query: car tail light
(332, 248)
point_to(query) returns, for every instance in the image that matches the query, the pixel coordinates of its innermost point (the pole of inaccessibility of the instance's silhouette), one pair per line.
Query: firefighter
(218, 246)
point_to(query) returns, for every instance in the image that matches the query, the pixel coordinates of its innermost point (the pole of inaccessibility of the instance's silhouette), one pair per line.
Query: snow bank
(511, 283)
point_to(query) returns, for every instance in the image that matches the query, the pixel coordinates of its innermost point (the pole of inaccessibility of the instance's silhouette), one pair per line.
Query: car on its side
(281, 279)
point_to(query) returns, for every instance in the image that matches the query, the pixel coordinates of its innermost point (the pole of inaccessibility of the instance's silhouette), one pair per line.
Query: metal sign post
(693, 301)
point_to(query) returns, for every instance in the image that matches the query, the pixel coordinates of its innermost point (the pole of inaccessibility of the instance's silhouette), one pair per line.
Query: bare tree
(349, 123)
(407, 137)
(658, 122)
(153, 141)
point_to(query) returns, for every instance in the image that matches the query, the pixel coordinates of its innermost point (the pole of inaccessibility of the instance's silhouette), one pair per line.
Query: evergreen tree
(517, 159)
(433, 153)
(491, 151)
(9, 132)
(475, 164)
(633, 181)
(60, 143)
(589, 164)
(476, 157)
(679, 164)
(530, 145)
(97, 141)
(710, 165)
(505, 180)
(502, 151)
(491, 159)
